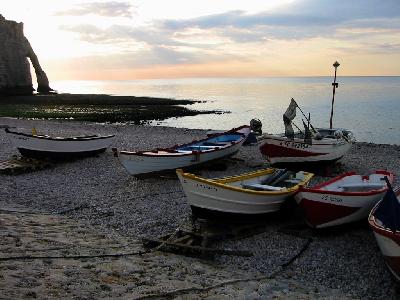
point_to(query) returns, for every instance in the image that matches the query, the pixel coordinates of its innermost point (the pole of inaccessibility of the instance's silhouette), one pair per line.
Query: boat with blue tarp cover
(197, 152)
(384, 220)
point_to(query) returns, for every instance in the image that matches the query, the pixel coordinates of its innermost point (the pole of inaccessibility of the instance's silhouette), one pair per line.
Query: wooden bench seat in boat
(259, 186)
(216, 143)
(184, 151)
(197, 148)
(292, 180)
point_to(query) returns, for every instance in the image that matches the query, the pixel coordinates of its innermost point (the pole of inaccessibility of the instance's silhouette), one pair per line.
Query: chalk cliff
(15, 49)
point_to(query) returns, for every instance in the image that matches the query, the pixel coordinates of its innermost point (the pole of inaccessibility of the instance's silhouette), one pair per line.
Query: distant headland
(18, 100)
(15, 75)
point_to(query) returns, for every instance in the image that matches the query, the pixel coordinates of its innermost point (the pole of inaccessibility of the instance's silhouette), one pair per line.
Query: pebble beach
(105, 210)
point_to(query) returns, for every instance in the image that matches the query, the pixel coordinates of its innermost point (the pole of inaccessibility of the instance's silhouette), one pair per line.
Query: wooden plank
(198, 248)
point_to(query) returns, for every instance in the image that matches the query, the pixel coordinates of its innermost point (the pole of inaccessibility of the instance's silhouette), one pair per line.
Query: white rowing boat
(197, 152)
(44, 146)
(250, 194)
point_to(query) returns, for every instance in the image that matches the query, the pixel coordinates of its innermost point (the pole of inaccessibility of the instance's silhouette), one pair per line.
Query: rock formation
(15, 49)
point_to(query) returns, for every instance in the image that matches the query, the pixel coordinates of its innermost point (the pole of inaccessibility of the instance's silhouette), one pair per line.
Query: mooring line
(272, 275)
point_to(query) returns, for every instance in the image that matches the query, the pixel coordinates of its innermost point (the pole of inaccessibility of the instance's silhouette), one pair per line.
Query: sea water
(369, 106)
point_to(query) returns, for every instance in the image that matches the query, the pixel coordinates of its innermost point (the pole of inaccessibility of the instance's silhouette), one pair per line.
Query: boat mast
(335, 85)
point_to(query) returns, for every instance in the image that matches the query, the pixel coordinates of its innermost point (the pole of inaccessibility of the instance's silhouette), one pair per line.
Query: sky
(142, 39)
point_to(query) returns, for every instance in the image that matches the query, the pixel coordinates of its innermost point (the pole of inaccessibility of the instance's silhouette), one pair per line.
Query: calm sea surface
(369, 106)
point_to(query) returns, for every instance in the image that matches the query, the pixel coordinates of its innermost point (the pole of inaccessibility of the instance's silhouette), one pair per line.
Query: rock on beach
(114, 211)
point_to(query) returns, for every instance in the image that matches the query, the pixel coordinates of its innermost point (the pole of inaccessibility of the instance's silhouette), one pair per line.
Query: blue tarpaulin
(388, 211)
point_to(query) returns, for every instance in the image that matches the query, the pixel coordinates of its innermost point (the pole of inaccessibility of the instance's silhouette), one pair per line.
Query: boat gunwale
(215, 182)
(61, 139)
(317, 189)
(297, 140)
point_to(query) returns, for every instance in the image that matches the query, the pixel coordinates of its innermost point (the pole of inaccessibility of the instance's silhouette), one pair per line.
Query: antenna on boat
(335, 85)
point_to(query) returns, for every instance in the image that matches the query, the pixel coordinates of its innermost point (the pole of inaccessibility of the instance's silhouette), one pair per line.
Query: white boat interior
(276, 181)
(357, 183)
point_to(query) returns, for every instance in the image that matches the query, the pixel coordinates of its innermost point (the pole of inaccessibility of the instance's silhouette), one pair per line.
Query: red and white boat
(312, 145)
(328, 146)
(344, 199)
(384, 220)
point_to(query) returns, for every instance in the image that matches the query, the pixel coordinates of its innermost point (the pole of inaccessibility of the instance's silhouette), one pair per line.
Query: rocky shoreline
(96, 108)
(339, 263)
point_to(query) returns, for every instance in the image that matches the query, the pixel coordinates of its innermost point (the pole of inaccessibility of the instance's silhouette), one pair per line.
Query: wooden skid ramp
(18, 165)
(194, 238)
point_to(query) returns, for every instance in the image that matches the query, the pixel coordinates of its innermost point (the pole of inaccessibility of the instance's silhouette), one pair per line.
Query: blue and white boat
(197, 152)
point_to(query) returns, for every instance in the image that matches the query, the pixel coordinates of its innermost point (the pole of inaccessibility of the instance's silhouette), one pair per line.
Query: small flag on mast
(288, 116)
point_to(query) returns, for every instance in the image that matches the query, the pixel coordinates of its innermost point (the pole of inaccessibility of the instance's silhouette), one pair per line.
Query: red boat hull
(280, 149)
(323, 207)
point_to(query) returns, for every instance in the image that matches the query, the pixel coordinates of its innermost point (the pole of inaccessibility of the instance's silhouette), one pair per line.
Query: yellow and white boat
(248, 194)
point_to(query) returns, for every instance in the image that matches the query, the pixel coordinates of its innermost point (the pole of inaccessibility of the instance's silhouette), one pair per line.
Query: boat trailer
(195, 237)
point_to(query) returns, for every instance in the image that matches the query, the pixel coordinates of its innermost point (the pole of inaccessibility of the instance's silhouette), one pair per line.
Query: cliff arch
(15, 50)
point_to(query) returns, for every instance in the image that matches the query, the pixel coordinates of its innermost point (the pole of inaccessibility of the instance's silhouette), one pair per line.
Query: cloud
(152, 36)
(104, 9)
(366, 27)
(150, 56)
(301, 19)
(300, 13)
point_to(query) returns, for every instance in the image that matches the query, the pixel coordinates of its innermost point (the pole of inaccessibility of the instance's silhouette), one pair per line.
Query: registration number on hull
(331, 199)
(295, 145)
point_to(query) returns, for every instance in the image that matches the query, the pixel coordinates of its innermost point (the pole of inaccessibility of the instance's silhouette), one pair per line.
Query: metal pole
(335, 85)
(308, 119)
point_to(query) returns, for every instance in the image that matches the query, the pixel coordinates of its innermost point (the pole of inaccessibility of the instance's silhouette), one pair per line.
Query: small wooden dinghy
(384, 220)
(44, 146)
(248, 194)
(197, 152)
(346, 198)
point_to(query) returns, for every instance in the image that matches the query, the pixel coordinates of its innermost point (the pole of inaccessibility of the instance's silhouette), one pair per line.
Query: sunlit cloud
(105, 9)
(175, 38)
(118, 33)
